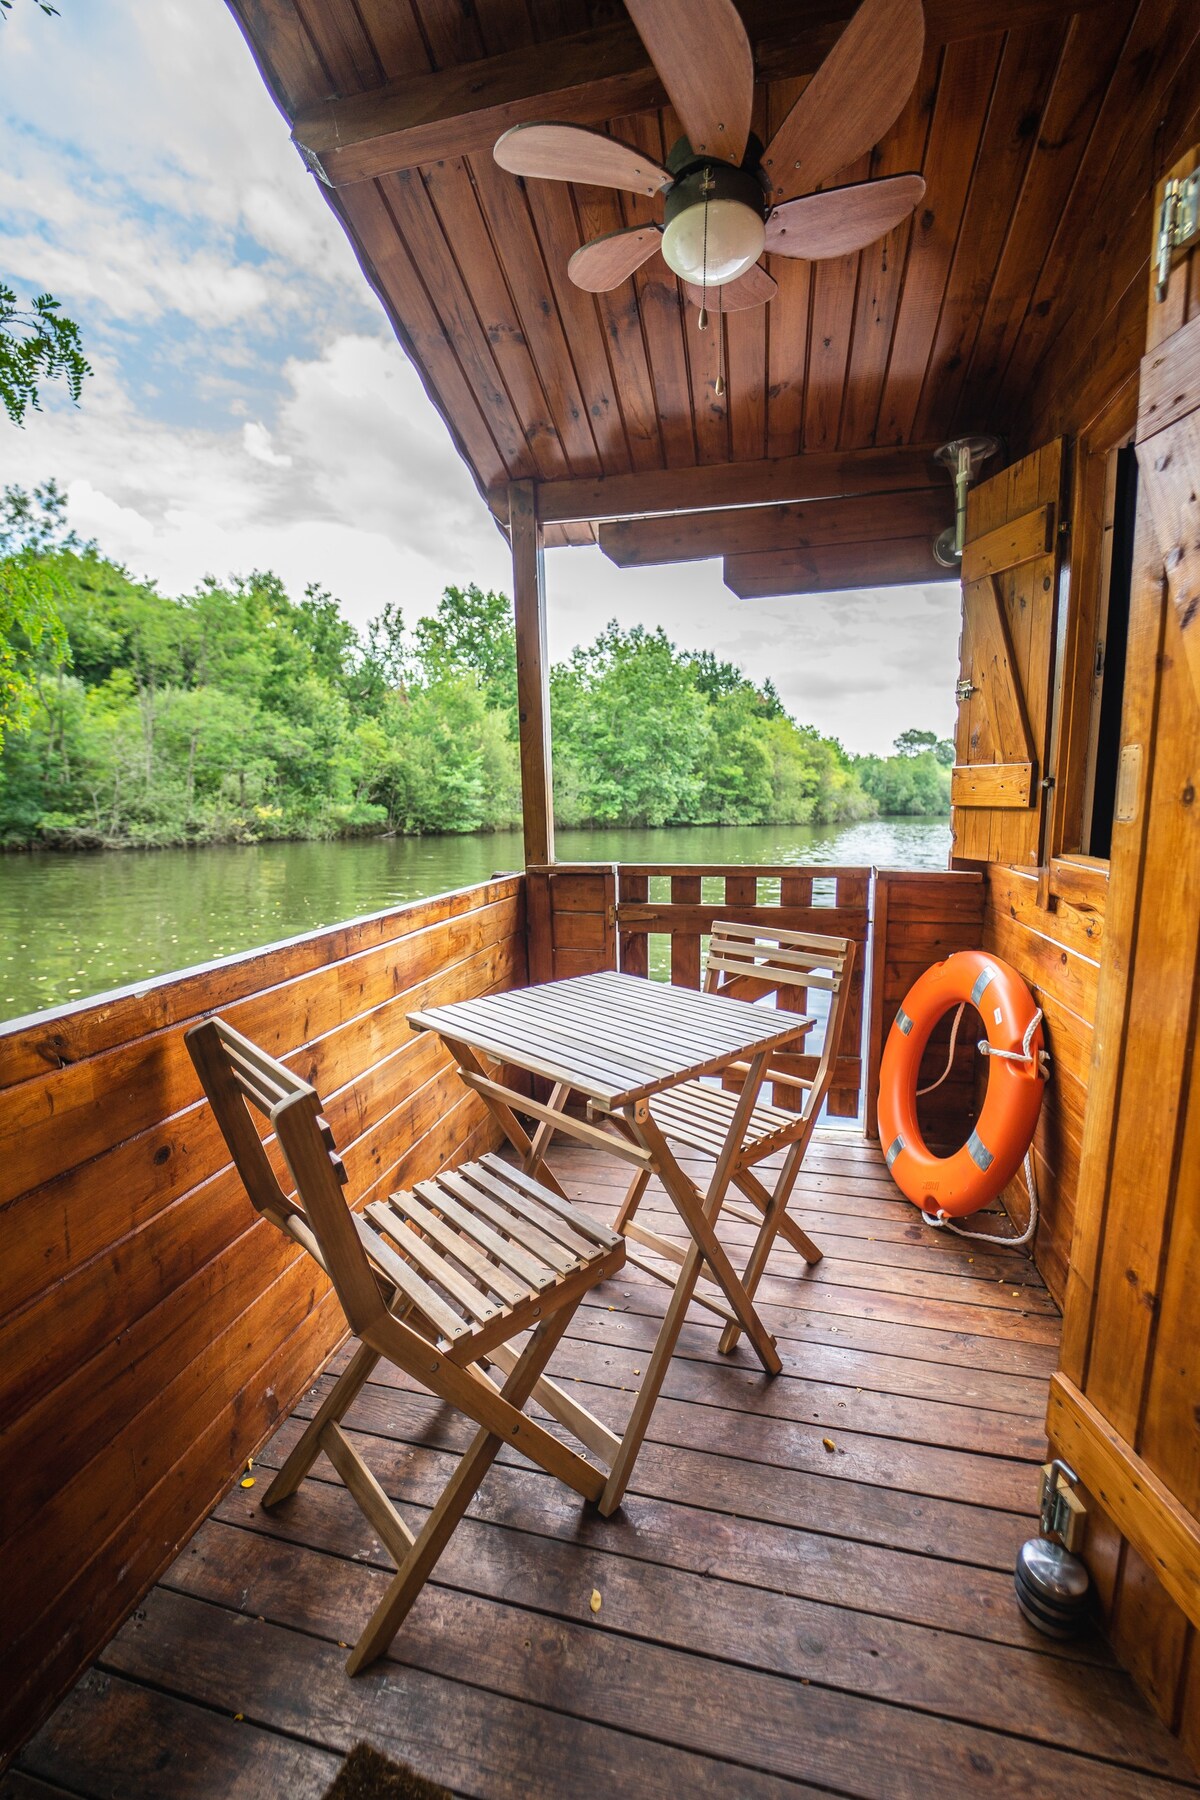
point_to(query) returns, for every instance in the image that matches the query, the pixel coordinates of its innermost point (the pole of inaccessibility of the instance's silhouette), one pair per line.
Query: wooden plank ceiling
(941, 327)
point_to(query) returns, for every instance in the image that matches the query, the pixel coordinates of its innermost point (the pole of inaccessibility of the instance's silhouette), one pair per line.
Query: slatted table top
(615, 1038)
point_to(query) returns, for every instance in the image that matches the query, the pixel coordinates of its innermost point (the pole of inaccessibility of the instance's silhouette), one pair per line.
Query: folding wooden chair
(750, 962)
(436, 1281)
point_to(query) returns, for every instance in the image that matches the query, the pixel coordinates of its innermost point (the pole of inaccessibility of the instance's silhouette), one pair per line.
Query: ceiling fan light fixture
(715, 215)
(735, 239)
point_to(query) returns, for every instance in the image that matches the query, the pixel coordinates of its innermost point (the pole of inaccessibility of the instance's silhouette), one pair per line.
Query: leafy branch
(37, 344)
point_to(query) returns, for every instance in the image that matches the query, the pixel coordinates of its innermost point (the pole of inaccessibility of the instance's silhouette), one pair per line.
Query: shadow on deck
(808, 1588)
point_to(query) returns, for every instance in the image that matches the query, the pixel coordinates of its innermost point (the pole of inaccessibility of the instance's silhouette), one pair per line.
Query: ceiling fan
(726, 198)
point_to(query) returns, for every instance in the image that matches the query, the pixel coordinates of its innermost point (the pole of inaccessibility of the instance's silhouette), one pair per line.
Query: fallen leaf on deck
(829, 1444)
(247, 1481)
(595, 1602)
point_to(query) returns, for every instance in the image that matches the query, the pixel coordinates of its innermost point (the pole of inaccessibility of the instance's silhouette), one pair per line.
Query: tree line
(236, 713)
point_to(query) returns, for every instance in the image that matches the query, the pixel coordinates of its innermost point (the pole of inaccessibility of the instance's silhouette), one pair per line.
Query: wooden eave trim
(584, 79)
(811, 525)
(820, 475)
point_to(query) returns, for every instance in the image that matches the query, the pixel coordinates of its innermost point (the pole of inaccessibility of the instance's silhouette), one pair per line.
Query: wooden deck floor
(778, 1618)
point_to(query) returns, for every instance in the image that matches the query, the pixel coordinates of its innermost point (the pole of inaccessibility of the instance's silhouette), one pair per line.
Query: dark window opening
(1111, 648)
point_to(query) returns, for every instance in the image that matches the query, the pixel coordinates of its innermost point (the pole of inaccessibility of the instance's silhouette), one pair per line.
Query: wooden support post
(533, 673)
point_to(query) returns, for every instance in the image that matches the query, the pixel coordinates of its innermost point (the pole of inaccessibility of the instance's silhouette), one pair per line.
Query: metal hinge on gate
(1178, 227)
(963, 690)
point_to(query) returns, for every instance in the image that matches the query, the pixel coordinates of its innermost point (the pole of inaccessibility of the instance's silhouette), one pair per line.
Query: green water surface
(79, 924)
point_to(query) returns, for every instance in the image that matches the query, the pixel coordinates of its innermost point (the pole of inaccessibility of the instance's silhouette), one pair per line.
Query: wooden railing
(655, 918)
(153, 1330)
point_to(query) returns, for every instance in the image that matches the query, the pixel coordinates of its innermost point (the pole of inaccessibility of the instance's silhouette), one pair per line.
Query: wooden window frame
(1073, 874)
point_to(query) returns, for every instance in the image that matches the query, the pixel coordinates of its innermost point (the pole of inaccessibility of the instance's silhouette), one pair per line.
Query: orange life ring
(956, 1185)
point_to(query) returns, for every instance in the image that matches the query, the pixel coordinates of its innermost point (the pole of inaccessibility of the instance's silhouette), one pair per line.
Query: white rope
(950, 1059)
(1024, 1054)
(941, 1221)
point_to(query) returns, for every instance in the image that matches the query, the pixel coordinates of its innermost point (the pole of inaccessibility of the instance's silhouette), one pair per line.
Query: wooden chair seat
(700, 1116)
(438, 1281)
(483, 1251)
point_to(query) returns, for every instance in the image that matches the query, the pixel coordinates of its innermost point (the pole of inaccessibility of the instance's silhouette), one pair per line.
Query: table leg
(507, 1120)
(699, 1215)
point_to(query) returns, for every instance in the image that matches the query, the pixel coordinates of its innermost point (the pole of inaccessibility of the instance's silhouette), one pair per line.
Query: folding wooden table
(617, 1040)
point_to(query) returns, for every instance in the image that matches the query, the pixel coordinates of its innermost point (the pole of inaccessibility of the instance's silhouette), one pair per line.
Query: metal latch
(1063, 1514)
(1178, 227)
(963, 690)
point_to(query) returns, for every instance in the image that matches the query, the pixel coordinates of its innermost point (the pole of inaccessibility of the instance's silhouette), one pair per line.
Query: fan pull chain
(704, 262)
(719, 386)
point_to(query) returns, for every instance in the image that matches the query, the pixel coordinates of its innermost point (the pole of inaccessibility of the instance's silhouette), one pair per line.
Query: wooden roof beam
(811, 525)
(584, 79)
(895, 562)
(780, 481)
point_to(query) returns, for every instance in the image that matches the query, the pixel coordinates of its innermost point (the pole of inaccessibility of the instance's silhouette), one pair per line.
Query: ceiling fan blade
(839, 220)
(853, 98)
(606, 262)
(572, 153)
(754, 288)
(701, 50)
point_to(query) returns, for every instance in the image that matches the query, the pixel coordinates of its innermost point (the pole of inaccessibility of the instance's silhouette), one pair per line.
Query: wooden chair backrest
(750, 962)
(237, 1076)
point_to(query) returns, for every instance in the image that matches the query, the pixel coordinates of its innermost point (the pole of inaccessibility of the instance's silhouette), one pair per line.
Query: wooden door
(1125, 1407)
(1010, 583)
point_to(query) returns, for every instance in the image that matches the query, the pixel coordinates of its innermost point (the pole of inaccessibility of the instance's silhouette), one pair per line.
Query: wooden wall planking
(1058, 954)
(572, 920)
(1125, 1403)
(153, 1329)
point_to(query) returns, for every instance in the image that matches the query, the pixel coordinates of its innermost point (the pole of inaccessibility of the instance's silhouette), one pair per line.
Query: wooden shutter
(1010, 593)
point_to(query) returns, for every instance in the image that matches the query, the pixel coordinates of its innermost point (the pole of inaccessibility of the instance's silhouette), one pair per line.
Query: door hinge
(963, 690)
(1178, 227)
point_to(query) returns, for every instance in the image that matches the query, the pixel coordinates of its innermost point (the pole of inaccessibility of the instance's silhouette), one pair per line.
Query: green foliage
(236, 713)
(31, 629)
(38, 343)
(915, 781)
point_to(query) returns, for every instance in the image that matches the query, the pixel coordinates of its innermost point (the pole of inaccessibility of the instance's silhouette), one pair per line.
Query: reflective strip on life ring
(975, 1174)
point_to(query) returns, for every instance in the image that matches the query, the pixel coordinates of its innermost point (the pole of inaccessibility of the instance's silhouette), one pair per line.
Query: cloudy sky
(250, 408)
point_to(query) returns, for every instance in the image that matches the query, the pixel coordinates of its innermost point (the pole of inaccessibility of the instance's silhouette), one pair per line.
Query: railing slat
(685, 946)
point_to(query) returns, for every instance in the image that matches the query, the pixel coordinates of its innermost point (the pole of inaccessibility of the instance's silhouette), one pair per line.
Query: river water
(80, 924)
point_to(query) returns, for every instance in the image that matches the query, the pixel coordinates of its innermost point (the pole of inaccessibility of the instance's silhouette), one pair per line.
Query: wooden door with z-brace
(1010, 580)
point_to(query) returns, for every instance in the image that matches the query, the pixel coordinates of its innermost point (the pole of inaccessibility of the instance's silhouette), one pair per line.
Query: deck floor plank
(778, 1618)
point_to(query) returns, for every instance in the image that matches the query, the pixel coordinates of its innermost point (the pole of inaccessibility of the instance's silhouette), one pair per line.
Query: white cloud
(357, 487)
(256, 440)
